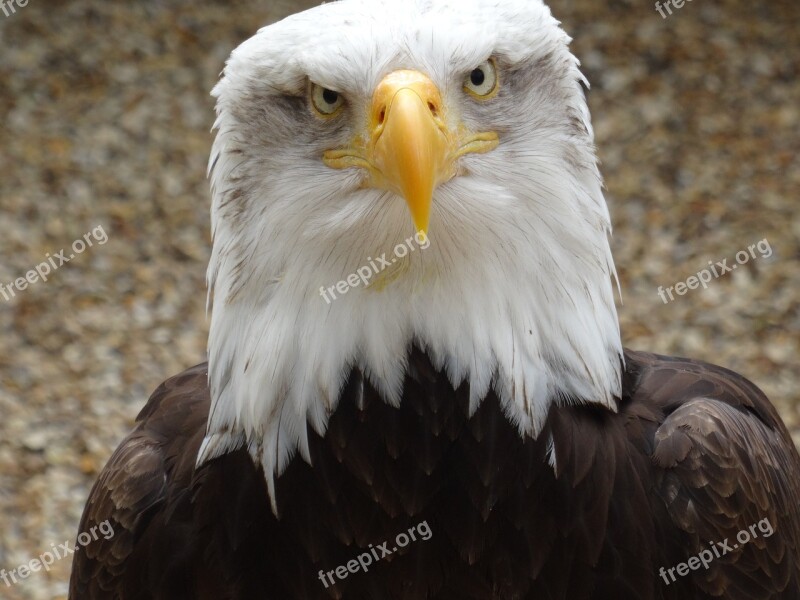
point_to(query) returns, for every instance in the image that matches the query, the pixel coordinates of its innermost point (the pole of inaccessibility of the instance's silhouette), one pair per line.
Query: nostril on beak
(433, 107)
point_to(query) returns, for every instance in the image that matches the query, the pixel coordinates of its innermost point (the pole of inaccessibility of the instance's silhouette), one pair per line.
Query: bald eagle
(455, 420)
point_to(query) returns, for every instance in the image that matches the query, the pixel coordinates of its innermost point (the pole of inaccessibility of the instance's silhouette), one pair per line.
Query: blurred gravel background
(106, 118)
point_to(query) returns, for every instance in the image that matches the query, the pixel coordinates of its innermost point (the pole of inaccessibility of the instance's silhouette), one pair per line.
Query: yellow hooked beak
(408, 148)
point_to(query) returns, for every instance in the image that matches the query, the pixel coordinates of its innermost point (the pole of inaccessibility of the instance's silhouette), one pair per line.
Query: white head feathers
(515, 290)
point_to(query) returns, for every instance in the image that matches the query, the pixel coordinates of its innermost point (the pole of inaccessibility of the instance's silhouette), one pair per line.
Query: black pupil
(477, 77)
(330, 96)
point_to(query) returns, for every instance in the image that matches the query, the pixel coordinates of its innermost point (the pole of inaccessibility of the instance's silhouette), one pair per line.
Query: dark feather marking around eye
(537, 74)
(269, 122)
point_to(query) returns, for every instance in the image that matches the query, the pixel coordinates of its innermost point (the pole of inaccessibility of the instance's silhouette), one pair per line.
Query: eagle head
(454, 129)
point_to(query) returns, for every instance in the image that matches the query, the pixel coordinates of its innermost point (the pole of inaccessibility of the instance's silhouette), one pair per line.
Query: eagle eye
(326, 102)
(482, 81)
